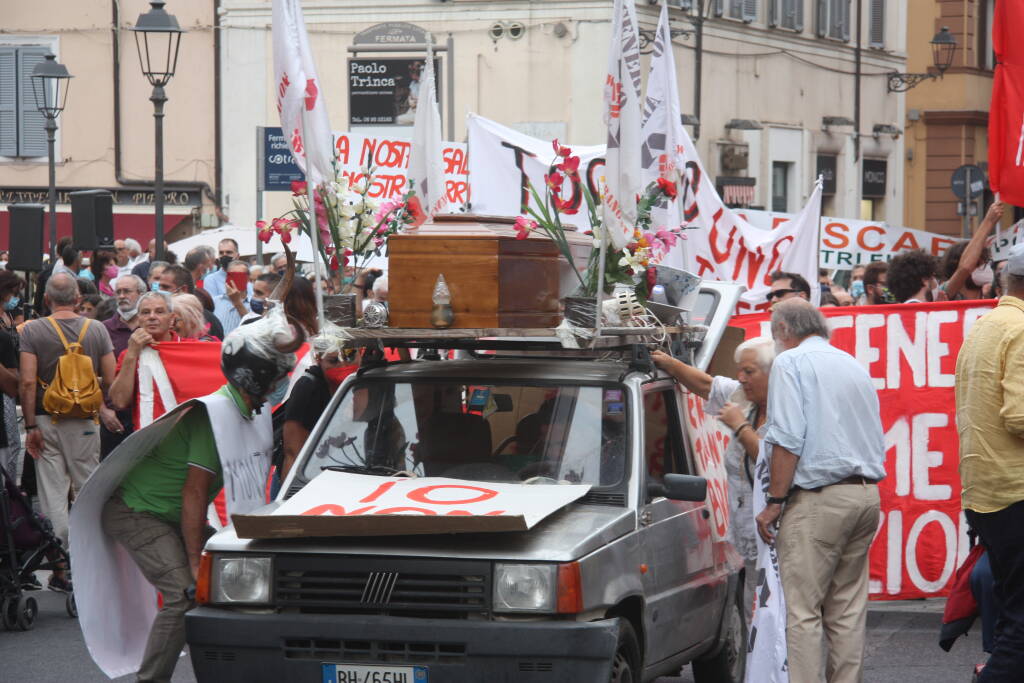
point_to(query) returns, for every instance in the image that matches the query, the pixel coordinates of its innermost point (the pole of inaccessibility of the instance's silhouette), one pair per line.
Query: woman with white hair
(741, 405)
(189, 322)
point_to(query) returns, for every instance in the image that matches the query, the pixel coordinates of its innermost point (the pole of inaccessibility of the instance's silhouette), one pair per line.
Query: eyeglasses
(779, 293)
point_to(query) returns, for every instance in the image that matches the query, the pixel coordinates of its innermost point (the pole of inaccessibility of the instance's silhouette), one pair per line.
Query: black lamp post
(50, 81)
(943, 48)
(157, 36)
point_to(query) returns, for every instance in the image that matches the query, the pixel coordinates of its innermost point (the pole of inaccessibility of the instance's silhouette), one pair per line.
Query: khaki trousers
(71, 451)
(159, 550)
(823, 542)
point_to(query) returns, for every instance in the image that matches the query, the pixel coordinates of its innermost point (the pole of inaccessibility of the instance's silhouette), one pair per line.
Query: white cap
(1015, 261)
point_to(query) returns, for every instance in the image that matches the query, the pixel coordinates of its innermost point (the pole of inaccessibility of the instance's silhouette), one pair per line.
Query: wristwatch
(775, 500)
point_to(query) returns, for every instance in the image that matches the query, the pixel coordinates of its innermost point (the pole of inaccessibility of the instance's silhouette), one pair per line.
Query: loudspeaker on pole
(26, 237)
(92, 219)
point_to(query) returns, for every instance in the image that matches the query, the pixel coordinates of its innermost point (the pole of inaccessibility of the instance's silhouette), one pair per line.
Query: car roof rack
(518, 338)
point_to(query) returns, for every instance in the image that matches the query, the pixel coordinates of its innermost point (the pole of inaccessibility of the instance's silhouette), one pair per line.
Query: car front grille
(373, 651)
(327, 584)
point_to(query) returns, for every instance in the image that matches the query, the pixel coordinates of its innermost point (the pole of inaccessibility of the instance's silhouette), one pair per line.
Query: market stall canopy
(246, 239)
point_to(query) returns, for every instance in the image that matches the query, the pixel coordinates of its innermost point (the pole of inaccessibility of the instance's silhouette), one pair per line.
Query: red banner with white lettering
(910, 351)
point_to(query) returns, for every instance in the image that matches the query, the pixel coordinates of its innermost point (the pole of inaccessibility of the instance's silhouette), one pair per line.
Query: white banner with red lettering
(910, 352)
(300, 100)
(723, 247)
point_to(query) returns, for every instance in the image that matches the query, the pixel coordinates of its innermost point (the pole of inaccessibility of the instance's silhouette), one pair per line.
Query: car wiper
(382, 470)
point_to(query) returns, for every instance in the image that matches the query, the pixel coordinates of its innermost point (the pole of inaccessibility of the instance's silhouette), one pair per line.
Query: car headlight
(241, 580)
(525, 587)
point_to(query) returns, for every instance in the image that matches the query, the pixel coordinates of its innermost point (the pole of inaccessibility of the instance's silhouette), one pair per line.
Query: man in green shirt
(159, 512)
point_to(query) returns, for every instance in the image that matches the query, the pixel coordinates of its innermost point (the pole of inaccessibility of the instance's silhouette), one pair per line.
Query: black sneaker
(31, 583)
(59, 585)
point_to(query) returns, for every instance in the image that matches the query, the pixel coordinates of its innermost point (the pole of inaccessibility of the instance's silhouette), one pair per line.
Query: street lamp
(50, 81)
(157, 36)
(943, 48)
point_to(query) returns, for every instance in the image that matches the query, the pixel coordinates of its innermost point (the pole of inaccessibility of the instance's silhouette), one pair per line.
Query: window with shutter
(876, 20)
(821, 23)
(787, 14)
(736, 9)
(833, 19)
(31, 123)
(749, 10)
(8, 102)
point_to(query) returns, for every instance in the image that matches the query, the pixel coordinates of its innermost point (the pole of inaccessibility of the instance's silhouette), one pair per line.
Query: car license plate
(362, 673)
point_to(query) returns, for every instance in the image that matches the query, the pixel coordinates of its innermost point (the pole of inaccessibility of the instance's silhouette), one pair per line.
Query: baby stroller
(27, 544)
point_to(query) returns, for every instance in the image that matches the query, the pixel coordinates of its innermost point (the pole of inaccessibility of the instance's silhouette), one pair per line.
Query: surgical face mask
(257, 306)
(223, 261)
(111, 272)
(154, 286)
(280, 389)
(982, 275)
(12, 303)
(127, 315)
(857, 289)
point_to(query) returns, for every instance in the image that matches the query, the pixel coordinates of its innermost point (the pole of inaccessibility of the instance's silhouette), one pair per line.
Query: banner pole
(314, 230)
(599, 294)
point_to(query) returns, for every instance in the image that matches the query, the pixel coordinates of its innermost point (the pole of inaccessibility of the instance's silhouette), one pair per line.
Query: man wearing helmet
(158, 513)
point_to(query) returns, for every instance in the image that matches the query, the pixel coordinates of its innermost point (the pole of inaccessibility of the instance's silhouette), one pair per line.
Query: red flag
(1006, 113)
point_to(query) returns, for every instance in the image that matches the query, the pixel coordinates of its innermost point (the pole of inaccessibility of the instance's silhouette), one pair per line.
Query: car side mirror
(680, 487)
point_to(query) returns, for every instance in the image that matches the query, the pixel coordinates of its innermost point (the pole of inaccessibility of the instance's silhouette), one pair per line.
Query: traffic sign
(959, 181)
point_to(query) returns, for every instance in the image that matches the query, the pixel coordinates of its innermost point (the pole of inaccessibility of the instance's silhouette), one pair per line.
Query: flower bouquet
(630, 266)
(351, 224)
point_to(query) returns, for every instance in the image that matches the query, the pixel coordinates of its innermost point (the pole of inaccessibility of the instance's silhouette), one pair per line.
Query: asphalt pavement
(902, 648)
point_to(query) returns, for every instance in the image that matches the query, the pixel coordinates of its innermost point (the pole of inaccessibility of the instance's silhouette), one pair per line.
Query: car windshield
(532, 434)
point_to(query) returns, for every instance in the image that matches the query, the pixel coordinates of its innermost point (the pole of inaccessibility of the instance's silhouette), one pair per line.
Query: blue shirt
(226, 313)
(823, 408)
(215, 284)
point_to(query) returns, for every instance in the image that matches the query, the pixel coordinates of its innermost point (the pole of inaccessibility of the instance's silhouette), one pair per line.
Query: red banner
(910, 351)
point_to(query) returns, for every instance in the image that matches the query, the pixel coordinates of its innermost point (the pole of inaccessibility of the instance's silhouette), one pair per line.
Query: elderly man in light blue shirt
(827, 455)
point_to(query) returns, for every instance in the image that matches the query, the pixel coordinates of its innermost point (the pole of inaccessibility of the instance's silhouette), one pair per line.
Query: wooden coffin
(495, 279)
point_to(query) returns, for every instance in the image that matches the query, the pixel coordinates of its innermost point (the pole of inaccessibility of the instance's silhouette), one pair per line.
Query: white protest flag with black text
(622, 181)
(426, 165)
(661, 152)
(300, 100)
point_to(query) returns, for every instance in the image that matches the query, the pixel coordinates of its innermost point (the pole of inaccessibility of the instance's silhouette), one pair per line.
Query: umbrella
(246, 239)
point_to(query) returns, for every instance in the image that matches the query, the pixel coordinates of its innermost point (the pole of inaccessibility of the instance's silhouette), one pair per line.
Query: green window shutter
(8, 102)
(31, 123)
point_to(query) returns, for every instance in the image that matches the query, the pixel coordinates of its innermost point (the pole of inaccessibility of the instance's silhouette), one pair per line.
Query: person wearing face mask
(232, 306)
(216, 282)
(912, 277)
(11, 287)
(312, 392)
(262, 286)
(115, 426)
(965, 265)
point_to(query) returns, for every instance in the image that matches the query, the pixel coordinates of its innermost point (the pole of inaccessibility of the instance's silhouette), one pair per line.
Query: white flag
(426, 165)
(300, 99)
(622, 182)
(661, 152)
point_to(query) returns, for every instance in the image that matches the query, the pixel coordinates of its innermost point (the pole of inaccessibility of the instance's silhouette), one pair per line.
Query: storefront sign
(910, 351)
(122, 197)
(384, 90)
(873, 179)
(278, 168)
(826, 168)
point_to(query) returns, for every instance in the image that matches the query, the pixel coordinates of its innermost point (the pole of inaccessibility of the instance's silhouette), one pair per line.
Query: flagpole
(314, 229)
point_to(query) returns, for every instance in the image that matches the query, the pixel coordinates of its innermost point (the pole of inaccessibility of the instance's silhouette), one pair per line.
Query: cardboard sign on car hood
(344, 504)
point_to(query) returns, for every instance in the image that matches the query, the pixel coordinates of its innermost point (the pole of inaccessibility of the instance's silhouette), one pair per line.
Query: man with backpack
(63, 358)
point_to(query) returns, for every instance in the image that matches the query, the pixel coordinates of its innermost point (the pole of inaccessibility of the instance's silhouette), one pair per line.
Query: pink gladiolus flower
(524, 226)
(668, 237)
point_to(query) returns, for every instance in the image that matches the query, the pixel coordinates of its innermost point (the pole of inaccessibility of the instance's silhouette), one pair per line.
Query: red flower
(560, 150)
(524, 226)
(668, 187)
(264, 233)
(564, 205)
(570, 166)
(554, 180)
(419, 216)
(334, 263)
(652, 278)
(298, 187)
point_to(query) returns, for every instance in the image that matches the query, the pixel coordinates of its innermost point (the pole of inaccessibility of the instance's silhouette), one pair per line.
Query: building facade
(105, 137)
(778, 84)
(947, 119)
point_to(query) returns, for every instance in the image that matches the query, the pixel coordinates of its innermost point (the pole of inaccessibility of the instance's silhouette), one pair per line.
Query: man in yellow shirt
(990, 420)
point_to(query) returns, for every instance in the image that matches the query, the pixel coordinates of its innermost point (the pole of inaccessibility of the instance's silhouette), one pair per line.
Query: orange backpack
(75, 390)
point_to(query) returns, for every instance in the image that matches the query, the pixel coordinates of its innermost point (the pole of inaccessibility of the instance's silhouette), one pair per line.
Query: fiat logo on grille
(379, 587)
